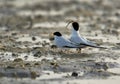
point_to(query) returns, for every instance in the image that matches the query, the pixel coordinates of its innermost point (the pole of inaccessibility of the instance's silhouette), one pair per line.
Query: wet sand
(26, 52)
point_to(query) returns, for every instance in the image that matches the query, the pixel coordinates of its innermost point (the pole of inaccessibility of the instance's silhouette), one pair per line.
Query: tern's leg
(78, 50)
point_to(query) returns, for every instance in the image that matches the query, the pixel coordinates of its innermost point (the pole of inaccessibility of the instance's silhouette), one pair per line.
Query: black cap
(75, 26)
(57, 33)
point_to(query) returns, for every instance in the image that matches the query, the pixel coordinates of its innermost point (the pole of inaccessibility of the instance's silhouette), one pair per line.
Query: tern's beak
(51, 36)
(68, 22)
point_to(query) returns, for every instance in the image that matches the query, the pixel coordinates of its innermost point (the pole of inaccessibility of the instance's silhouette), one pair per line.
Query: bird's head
(75, 26)
(57, 34)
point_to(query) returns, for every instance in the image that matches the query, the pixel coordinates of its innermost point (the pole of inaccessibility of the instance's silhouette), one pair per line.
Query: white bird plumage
(62, 42)
(75, 41)
(78, 39)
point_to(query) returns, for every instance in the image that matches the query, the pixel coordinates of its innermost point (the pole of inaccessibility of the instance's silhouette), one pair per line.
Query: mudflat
(27, 54)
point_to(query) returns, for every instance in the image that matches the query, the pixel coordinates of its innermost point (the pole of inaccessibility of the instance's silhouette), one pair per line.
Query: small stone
(26, 57)
(22, 66)
(34, 74)
(96, 34)
(54, 64)
(13, 34)
(105, 66)
(74, 74)
(10, 67)
(37, 54)
(118, 43)
(53, 46)
(36, 63)
(18, 60)
(27, 64)
(14, 54)
(117, 14)
(97, 64)
(44, 60)
(33, 38)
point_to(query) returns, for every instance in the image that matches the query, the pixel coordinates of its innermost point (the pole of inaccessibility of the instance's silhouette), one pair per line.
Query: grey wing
(95, 46)
(89, 42)
(76, 45)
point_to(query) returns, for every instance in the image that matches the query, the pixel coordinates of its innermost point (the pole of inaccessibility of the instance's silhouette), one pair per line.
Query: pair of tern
(75, 40)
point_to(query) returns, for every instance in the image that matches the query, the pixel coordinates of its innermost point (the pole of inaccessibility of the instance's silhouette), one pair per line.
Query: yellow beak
(51, 37)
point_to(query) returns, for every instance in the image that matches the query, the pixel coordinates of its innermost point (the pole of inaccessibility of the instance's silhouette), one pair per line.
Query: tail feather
(95, 46)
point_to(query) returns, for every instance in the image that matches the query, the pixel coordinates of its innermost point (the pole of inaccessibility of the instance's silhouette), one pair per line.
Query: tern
(62, 42)
(76, 38)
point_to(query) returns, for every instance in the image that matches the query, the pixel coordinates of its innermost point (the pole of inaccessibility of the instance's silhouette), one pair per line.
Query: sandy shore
(26, 52)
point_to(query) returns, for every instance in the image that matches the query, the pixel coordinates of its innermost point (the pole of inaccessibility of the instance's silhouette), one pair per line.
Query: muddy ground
(26, 52)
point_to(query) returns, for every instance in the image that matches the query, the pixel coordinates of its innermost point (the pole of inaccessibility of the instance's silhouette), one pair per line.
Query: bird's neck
(58, 37)
(75, 33)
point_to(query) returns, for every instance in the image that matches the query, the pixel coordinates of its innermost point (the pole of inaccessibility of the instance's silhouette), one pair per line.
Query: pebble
(34, 74)
(53, 46)
(10, 67)
(14, 54)
(38, 54)
(74, 74)
(18, 60)
(33, 38)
